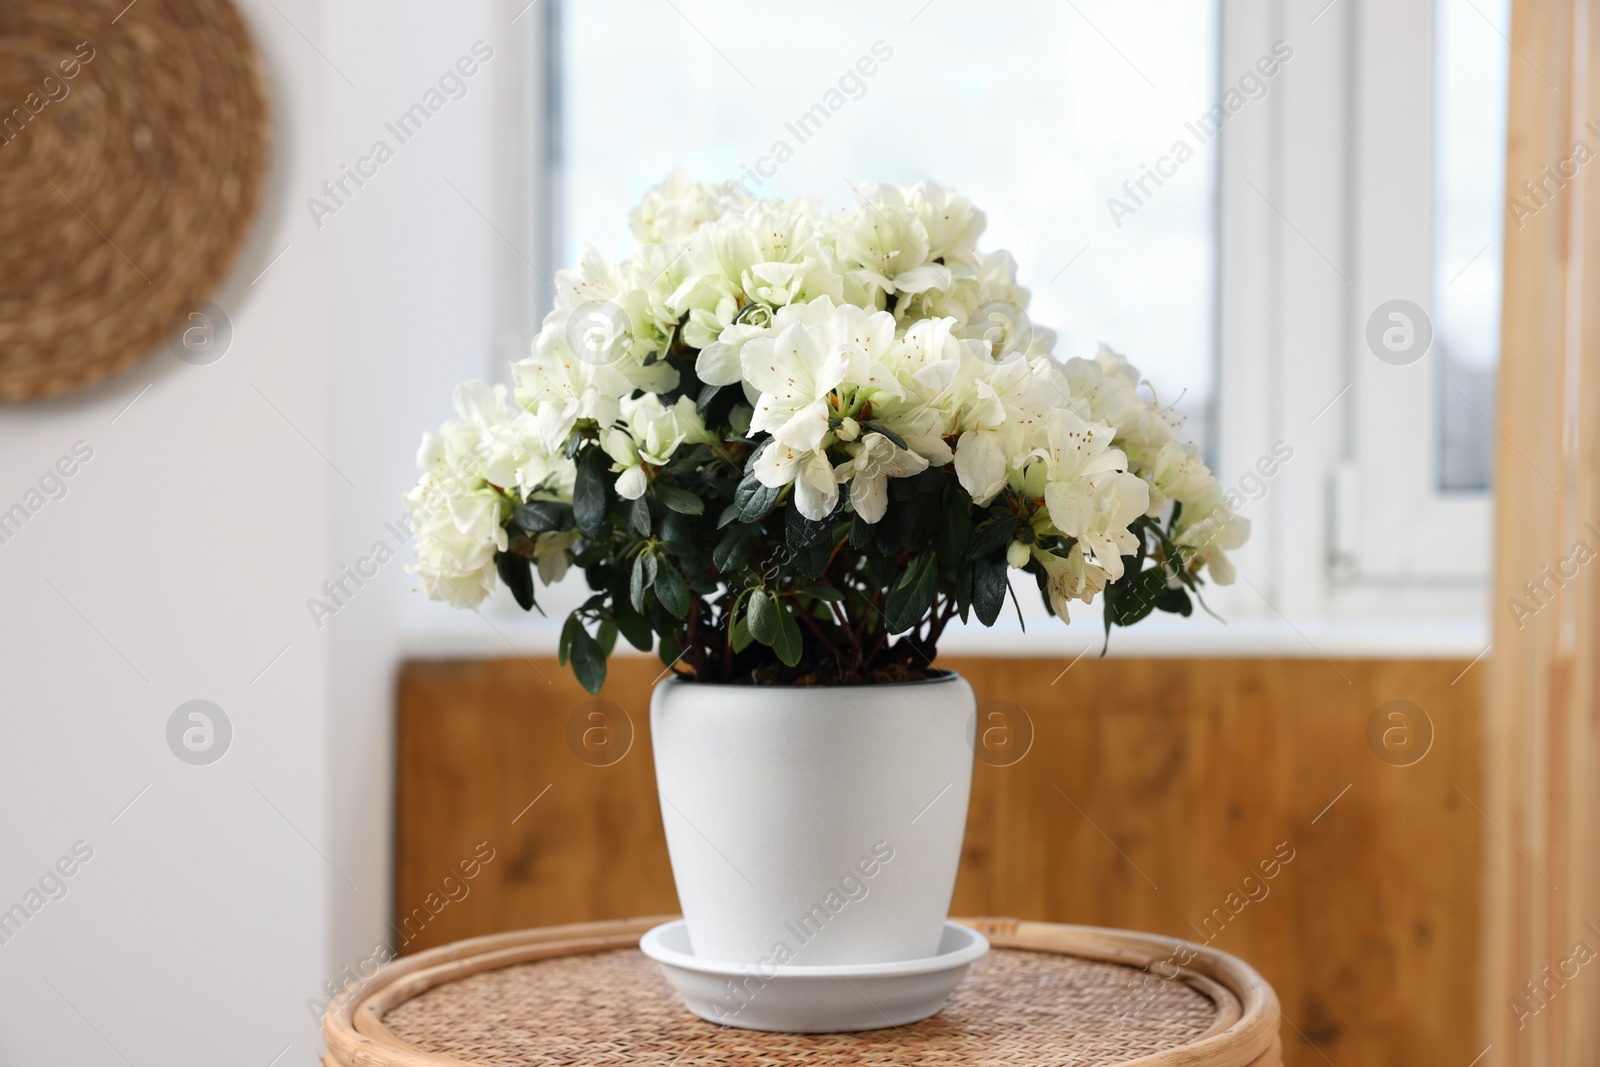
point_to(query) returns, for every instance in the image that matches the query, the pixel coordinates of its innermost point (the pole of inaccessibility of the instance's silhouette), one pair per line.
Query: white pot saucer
(801, 999)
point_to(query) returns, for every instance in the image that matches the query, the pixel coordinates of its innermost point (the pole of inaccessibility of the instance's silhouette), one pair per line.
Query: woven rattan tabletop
(584, 995)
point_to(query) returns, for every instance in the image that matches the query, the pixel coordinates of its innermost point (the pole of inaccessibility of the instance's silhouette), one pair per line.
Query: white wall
(179, 564)
(412, 286)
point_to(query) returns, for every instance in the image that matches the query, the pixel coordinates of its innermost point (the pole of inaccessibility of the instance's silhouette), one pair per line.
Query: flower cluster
(774, 439)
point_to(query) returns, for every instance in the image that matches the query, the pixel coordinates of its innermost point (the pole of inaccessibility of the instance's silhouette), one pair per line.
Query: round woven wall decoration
(133, 143)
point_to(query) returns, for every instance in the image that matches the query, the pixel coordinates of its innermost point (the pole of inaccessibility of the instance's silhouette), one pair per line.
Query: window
(1427, 152)
(1040, 112)
(1469, 189)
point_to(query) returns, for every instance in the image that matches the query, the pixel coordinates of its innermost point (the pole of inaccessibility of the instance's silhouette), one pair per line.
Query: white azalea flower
(552, 554)
(1108, 385)
(816, 490)
(719, 362)
(768, 255)
(883, 245)
(876, 459)
(559, 387)
(652, 434)
(593, 278)
(952, 223)
(456, 513)
(795, 371)
(464, 534)
(1100, 396)
(1074, 578)
(1208, 529)
(509, 444)
(656, 272)
(675, 209)
(1000, 410)
(1119, 501)
(1177, 473)
(1078, 459)
(459, 590)
(997, 278)
(927, 358)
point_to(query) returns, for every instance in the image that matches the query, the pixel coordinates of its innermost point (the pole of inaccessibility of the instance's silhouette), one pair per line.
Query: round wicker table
(584, 994)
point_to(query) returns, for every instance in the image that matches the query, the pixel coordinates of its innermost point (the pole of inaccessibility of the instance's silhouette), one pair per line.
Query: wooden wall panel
(479, 741)
(1542, 874)
(1152, 790)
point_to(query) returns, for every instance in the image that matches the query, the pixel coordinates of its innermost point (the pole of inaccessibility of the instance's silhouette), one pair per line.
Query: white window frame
(1397, 409)
(525, 190)
(1326, 211)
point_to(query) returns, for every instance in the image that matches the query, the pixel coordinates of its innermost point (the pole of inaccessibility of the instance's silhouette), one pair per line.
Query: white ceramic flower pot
(814, 825)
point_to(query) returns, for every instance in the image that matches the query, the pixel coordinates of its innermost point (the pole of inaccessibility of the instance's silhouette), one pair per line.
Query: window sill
(438, 631)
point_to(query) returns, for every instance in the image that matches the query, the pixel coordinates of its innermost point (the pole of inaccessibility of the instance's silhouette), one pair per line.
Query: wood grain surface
(1155, 795)
(1542, 877)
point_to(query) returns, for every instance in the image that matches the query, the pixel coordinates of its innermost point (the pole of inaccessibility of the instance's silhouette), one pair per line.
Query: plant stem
(936, 624)
(811, 623)
(692, 651)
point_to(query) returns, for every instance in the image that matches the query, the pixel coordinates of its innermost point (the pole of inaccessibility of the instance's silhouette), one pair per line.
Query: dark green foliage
(730, 582)
(517, 573)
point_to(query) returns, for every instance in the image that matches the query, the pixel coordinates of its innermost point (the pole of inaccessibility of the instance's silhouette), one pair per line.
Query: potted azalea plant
(787, 449)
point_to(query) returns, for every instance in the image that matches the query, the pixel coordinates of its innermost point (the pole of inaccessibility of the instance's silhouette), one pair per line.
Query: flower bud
(849, 429)
(1018, 554)
(1034, 479)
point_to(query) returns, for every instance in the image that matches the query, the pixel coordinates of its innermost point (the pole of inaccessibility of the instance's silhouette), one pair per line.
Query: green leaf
(789, 646)
(823, 592)
(733, 551)
(639, 517)
(679, 533)
(752, 500)
(956, 533)
(801, 532)
(671, 589)
(543, 516)
(912, 595)
(917, 518)
(992, 534)
(965, 573)
(812, 560)
(1175, 599)
(607, 637)
(517, 573)
(564, 646)
(902, 488)
(668, 649)
(591, 495)
(861, 533)
(634, 626)
(680, 500)
(1134, 596)
(741, 634)
(763, 614)
(989, 584)
(1022, 623)
(644, 576)
(588, 660)
(1107, 610)
(729, 513)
